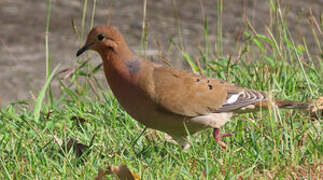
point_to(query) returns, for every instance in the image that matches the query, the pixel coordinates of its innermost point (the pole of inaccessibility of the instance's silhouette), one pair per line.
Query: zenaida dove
(169, 99)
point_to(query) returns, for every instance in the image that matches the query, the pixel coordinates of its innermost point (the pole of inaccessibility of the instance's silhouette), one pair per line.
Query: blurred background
(179, 22)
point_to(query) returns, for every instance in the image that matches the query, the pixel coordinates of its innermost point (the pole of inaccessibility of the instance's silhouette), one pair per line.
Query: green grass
(274, 144)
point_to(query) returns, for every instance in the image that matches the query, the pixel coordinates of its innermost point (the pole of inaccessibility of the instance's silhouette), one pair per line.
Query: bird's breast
(132, 95)
(129, 94)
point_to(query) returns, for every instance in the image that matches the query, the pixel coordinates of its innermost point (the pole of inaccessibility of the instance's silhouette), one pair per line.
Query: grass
(273, 144)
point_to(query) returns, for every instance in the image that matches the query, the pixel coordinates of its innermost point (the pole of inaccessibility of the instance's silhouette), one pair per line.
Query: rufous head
(103, 39)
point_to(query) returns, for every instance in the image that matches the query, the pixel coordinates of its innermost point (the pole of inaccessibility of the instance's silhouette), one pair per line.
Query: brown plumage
(170, 99)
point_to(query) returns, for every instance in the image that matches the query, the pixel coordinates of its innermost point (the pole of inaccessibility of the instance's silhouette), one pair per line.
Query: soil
(23, 25)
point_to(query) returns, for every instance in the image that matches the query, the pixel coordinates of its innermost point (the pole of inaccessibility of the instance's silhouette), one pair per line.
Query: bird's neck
(120, 65)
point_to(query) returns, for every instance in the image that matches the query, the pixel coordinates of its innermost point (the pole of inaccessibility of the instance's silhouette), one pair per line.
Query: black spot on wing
(133, 66)
(175, 75)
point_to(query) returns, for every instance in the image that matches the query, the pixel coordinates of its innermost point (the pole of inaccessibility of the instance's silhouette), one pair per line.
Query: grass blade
(42, 94)
(190, 61)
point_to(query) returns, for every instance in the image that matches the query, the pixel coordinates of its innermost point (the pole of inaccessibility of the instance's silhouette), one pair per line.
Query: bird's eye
(100, 37)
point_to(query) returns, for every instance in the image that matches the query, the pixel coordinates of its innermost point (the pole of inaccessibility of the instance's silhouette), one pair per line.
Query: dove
(169, 99)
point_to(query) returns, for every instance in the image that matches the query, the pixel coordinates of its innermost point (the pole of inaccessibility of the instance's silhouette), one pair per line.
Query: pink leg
(217, 136)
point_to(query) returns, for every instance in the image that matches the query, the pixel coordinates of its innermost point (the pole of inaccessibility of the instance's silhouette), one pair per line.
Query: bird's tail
(291, 104)
(283, 104)
(314, 106)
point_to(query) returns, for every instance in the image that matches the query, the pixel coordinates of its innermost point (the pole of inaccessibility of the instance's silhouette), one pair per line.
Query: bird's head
(103, 39)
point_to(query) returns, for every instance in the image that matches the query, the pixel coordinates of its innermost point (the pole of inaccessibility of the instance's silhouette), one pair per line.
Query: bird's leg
(217, 136)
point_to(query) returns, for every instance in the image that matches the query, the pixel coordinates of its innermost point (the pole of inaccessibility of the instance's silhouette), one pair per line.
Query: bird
(172, 100)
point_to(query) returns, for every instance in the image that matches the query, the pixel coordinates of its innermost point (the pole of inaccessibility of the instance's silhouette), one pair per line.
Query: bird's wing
(191, 95)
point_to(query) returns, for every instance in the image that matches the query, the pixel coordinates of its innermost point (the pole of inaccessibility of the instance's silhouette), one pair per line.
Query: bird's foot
(217, 136)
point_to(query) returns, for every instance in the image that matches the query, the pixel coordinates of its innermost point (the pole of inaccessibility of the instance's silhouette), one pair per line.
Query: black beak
(82, 50)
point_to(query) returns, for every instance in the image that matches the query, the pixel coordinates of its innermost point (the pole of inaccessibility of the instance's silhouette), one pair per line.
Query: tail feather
(283, 104)
(314, 106)
(291, 104)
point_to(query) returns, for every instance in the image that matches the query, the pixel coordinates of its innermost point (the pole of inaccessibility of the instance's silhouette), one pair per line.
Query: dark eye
(100, 37)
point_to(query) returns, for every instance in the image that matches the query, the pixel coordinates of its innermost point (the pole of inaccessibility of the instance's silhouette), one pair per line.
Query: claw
(217, 136)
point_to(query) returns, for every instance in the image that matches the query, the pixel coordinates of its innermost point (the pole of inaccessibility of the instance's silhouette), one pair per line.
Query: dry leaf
(58, 140)
(316, 107)
(78, 148)
(121, 171)
(101, 174)
(317, 104)
(48, 115)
